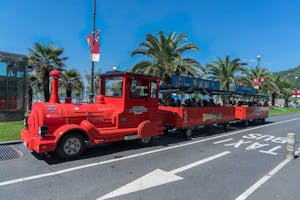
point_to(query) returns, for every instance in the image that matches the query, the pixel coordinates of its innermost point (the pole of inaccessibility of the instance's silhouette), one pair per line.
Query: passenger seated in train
(187, 103)
(178, 103)
(194, 103)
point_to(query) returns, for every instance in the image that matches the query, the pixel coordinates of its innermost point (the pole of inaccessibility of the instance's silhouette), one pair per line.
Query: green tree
(284, 90)
(225, 71)
(165, 56)
(87, 77)
(43, 58)
(71, 80)
(268, 86)
(33, 83)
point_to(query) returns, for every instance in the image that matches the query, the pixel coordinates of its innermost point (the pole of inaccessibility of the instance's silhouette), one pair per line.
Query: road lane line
(264, 179)
(191, 165)
(135, 155)
(221, 141)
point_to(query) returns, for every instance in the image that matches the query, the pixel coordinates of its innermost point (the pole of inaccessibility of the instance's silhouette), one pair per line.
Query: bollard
(290, 147)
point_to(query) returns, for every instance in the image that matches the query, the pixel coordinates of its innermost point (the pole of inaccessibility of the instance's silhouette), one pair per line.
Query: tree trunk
(29, 98)
(46, 91)
(286, 102)
(69, 92)
(273, 96)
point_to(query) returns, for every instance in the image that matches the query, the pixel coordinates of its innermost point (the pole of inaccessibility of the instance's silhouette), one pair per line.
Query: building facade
(13, 70)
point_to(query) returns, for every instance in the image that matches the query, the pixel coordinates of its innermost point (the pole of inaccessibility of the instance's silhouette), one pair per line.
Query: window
(153, 90)
(139, 88)
(113, 86)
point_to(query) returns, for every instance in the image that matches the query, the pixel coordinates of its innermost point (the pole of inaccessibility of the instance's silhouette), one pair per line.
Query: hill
(291, 74)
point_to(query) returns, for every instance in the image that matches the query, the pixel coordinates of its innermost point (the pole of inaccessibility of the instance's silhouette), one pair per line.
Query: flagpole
(93, 63)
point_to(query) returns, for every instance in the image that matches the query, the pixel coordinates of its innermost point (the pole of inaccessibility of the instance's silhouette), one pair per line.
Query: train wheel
(226, 126)
(188, 133)
(71, 146)
(146, 141)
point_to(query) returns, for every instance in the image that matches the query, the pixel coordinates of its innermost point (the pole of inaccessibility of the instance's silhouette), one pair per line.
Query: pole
(93, 63)
(290, 146)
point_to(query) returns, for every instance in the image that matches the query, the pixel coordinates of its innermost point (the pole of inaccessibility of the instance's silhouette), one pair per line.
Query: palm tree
(87, 77)
(165, 56)
(71, 80)
(43, 58)
(284, 89)
(225, 71)
(267, 86)
(33, 83)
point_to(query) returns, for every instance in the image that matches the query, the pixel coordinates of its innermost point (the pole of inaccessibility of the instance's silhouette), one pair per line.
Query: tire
(188, 133)
(145, 142)
(70, 146)
(226, 126)
(262, 121)
(246, 123)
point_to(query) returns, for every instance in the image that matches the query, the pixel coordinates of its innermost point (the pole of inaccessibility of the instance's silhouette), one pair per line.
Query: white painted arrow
(156, 178)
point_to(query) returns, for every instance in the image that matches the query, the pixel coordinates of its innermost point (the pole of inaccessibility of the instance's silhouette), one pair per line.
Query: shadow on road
(122, 146)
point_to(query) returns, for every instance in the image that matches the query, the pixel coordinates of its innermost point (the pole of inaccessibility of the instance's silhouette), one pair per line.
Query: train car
(187, 117)
(258, 111)
(125, 109)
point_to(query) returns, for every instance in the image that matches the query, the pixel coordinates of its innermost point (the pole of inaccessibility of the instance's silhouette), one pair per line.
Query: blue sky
(240, 28)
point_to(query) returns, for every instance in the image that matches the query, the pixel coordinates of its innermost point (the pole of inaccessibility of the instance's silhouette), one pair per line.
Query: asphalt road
(243, 163)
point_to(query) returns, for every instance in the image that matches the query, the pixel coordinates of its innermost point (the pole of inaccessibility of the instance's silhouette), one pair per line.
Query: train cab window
(153, 90)
(113, 86)
(139, 88)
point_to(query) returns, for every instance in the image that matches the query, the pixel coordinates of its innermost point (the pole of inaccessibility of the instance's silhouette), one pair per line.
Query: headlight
(43, 130)
(25, 122)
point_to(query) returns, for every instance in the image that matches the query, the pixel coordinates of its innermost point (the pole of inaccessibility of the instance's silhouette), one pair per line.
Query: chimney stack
(54, 95)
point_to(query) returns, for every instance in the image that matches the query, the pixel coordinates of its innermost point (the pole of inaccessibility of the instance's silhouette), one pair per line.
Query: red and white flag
(94, 45)
(262, 79)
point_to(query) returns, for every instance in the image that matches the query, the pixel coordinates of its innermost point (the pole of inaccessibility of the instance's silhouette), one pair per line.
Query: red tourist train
(128, 107)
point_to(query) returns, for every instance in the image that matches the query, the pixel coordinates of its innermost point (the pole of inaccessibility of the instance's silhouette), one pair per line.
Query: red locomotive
(126, 108)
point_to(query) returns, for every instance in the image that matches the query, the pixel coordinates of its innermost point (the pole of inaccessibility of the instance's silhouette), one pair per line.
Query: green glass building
(13, 70)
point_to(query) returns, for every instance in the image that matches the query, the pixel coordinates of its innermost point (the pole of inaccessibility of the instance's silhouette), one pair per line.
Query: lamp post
(91, 95)
(258, 57)
(296, 78)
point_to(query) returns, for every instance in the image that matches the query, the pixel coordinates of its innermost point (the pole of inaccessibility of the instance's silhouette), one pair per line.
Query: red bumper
(37, 143)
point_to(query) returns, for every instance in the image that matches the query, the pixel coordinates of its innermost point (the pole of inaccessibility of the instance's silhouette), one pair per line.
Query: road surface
(243, 163)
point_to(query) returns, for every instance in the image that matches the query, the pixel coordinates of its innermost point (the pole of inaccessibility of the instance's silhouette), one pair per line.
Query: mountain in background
(291, 74)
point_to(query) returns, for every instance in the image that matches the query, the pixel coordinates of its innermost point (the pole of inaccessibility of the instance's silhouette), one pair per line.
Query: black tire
(145, 142)
(246, 123)
(226, 126)
(262, 121)
(188, 133)
(70, 146)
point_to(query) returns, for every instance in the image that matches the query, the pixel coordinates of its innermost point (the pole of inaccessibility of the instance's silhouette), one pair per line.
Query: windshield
(113, 86)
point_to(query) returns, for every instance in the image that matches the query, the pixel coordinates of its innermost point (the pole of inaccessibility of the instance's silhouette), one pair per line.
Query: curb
(11, 142)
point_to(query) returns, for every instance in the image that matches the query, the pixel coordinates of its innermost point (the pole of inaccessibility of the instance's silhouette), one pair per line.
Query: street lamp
(296, 78)
(258, 57)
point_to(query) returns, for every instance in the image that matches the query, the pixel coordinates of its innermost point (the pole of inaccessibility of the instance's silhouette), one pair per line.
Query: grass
(279, 111)
(10, 130)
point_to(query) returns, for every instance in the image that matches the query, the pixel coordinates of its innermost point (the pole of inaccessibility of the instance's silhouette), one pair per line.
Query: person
(170, 102)
(194, 103)
(178, 103)
(187, 103)
(160, 102)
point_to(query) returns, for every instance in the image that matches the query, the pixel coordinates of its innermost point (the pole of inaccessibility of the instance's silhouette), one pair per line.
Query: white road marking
(271, 151)
(222, 141)
(136, 155)
(238, 144)
(264, 179)
(156, 178)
